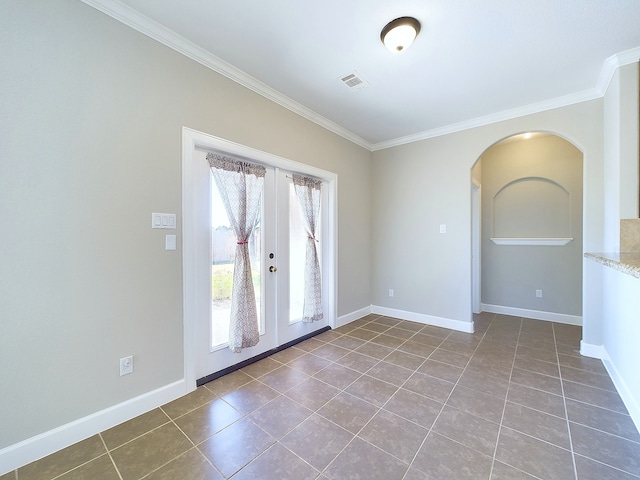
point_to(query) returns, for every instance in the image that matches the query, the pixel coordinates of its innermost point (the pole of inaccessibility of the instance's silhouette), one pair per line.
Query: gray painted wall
(532, 188)
(90, 145)
(424, 184)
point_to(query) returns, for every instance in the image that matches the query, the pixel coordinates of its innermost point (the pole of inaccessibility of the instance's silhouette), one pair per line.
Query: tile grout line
(171, 421)
(316, 411)
(194, 445)
(343, 390)
(566, 410)
(380, 408)
(570, 450)
(424, 359)
(277, 442)
(504, 406)
(138, 436)
(609, 466)
(449, 396)
(113, 462)
(82, 465)
(313, 412)
(606, 433)
(444, 404)
(504, 401)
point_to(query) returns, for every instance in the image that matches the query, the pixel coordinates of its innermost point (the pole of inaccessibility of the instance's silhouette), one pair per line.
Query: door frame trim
(192, 140)
(476, 247)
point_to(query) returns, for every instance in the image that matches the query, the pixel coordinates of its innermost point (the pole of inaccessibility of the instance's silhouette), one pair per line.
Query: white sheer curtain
(308, 194)
(240, 185)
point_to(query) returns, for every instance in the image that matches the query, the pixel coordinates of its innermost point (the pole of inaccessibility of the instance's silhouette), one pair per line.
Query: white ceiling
(475, 61)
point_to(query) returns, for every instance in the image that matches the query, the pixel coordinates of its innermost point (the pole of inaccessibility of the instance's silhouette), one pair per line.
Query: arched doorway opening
(527, 228)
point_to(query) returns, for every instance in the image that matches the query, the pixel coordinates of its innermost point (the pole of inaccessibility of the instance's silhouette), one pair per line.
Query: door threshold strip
(249, 361)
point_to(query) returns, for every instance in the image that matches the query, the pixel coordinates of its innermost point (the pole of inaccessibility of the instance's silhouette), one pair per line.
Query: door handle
(272, 268)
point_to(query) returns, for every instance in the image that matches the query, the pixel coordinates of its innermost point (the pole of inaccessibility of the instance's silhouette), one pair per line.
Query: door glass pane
(297, 256)
(223, 250)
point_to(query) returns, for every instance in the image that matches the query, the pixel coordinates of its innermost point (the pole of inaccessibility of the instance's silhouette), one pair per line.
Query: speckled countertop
(628, 263)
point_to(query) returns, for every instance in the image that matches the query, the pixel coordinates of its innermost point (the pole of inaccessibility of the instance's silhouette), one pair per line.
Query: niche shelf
(549, 242)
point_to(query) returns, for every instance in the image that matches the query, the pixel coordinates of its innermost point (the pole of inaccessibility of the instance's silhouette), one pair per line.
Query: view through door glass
(298, 239)
(223, 251)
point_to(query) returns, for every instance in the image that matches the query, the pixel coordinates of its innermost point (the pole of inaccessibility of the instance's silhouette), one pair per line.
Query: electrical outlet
(539, 293)
(391, 292)
(126, 365)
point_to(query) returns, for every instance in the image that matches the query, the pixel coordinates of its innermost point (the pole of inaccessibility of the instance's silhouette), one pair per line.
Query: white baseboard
(629, 401)
(353, 316)
(593, 351)
(535, 314)
(599, 351)
(34, 448)
(423, 318)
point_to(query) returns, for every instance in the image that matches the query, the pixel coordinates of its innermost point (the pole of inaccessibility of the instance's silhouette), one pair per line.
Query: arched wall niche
(532, 207)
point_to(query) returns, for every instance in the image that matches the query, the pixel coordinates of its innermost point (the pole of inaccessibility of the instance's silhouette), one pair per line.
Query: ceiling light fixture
(400, 33)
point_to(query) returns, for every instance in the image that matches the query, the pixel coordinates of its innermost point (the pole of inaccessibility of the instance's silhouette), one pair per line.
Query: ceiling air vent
(354, 81)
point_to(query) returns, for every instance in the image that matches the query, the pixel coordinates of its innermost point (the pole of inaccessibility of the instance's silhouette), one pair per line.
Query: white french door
(277, 250)
(291, 245)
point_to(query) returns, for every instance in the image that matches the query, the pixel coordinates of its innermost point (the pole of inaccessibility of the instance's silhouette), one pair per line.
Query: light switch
(443, 228)
(170, 242)
(163, 220)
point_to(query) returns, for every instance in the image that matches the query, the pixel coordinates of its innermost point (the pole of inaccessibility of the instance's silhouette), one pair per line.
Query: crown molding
(139, 22)
(609, 68)
(614, 62)
(558, 102)
(152, 29)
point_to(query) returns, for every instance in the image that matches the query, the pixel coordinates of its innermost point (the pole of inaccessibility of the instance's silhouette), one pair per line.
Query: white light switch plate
(163, 220)
(170, 242)
(443, 228)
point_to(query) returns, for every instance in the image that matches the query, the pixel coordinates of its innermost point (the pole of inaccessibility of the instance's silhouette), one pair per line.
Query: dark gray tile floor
(382, 398)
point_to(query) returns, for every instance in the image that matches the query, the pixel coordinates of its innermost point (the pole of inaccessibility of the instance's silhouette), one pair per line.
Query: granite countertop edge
(628, 263)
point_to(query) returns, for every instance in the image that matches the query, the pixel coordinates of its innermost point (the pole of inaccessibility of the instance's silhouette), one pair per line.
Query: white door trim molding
(192, 140)
(476, 247)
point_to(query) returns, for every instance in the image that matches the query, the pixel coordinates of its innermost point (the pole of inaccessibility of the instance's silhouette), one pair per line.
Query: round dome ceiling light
(400, 33)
